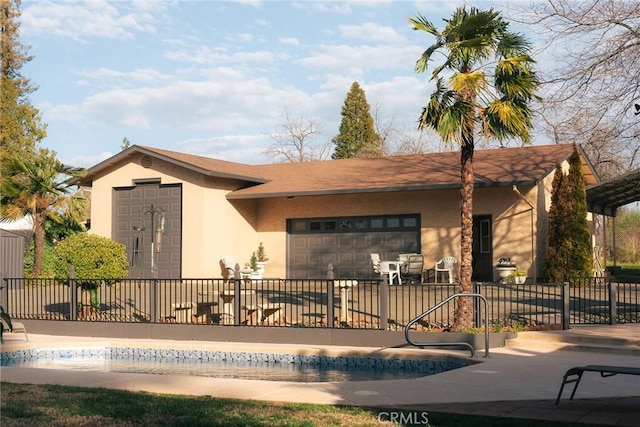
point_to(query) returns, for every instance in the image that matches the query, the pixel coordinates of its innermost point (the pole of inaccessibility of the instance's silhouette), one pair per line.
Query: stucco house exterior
(310, 214)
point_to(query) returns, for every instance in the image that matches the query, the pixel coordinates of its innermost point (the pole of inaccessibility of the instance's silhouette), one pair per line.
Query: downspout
(533, 251)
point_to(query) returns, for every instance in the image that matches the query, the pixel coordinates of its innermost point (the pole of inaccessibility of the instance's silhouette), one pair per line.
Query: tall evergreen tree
(579, 245)
(555, 262)
(485, 84)
(21, 128)
(357, 137)
(569, 254)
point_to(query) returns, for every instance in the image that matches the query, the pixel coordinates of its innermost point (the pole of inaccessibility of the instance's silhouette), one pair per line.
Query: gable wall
(211, 226)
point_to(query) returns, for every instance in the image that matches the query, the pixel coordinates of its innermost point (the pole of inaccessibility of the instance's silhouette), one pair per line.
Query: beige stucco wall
(440, 219)
(214, 227)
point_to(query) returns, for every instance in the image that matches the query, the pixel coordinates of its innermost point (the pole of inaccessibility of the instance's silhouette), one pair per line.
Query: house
(195, 210)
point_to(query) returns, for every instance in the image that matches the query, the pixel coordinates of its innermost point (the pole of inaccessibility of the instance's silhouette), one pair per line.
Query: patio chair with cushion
(412, 268)
(446, 264)
(228, 268)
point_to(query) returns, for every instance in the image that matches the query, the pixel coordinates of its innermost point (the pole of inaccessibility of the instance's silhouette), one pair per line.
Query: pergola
(606, 197)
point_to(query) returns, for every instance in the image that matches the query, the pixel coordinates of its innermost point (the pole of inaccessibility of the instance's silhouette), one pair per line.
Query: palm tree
(37, 186)
(489, 84)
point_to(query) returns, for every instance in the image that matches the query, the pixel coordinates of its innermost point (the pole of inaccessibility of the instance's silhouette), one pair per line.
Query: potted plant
(519, 276)
(505, 266)
(261, 258)
(253, 265)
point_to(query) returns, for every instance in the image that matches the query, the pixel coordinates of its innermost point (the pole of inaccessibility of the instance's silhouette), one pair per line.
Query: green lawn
(50, 405)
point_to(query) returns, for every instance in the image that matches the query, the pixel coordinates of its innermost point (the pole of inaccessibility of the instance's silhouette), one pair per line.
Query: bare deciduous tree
(594, 80)
(294, 141)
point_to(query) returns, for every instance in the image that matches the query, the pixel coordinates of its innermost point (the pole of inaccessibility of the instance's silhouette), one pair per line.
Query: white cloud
(289, 40)
(358, 59)
(79, 20)
(371, 33)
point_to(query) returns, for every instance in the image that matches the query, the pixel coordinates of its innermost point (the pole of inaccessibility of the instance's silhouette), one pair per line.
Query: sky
(216, 78)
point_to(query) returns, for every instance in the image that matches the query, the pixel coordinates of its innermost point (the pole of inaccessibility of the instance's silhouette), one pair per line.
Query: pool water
(223, 364)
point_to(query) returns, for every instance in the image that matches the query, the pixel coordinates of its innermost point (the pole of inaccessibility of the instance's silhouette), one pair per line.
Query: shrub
(94, 258)
(48, 264)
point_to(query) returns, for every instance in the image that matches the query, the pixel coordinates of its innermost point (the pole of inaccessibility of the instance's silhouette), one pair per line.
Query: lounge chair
(12, 327)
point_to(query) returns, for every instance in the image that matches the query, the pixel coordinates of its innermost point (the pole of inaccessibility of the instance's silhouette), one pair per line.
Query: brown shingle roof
(204, 165)
(493, 167)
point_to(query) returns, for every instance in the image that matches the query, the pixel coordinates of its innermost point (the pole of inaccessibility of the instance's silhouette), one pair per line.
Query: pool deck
(512, 382)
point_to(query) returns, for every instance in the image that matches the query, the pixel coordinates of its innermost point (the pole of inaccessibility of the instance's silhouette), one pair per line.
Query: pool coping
(509, 375)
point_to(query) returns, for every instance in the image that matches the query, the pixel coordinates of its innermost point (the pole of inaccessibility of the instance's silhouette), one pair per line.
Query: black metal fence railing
(321, 303)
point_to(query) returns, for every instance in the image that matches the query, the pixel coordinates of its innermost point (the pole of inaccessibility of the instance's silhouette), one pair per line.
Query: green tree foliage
(96, 260)
(93, 257)
(357, 137)
(48, 269)
(38, 186)
(485, 84)
(627, 236)
(20, 123)
(554, 265)
(570, 250)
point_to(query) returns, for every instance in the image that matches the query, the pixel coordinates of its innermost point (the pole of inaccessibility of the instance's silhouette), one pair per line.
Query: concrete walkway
(512, 382)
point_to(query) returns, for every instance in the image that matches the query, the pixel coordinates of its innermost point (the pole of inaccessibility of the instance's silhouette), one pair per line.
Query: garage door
(136, 208)
(346, 242)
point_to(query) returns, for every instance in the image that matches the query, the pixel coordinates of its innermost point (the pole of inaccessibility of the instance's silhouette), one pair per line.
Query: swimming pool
(230, 364)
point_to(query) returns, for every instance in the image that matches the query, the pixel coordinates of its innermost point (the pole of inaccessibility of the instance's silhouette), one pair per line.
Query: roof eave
(421, 187)
(87, 180)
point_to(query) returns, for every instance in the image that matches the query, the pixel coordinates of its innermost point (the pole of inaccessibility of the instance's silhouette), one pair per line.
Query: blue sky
(214, 78)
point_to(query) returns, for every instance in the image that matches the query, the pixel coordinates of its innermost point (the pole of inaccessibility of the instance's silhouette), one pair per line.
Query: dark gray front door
(347, 243)
(133, 217)
(482, 252)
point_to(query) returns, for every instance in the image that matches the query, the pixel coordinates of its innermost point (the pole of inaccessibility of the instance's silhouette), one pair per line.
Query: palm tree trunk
(38, 242)
(464, 312)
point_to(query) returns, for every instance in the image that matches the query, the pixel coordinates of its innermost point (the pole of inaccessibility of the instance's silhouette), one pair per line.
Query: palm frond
(423, 24)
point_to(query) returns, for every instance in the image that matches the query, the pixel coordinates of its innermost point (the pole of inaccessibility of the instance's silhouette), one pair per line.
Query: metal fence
(369, 304)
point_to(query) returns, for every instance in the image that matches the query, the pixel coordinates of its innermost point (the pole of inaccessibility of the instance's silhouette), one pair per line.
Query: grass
(52, 405)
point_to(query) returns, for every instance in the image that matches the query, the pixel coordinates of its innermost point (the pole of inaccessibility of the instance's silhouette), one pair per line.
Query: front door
(482, 252)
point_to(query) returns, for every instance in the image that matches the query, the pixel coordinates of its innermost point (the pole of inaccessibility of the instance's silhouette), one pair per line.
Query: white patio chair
(375, 263)
(445, 265)
(390, 268)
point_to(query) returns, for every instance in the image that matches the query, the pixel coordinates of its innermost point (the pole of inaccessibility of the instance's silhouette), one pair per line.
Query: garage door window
(350, 224)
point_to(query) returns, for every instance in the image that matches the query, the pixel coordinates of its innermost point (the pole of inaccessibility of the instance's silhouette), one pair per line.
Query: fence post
(477, 318)
(153, 301)
(73, 294)
(237, 279)
(384, 302)
(330, 297)
(566, 309)
(613, 302)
